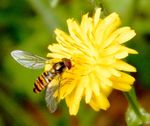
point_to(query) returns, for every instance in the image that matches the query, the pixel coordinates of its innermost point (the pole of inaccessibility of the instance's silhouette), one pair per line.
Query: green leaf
(131, 117)
(135, 115)
(146, 116)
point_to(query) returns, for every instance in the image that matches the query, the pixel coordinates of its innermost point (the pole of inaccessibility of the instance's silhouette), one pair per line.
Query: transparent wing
(51, 101)
(28, 59)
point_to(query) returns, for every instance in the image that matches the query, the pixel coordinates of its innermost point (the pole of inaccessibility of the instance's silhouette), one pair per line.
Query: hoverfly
(43, 81)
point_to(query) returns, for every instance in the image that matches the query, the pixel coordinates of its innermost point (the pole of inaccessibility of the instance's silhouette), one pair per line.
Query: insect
(43, 81)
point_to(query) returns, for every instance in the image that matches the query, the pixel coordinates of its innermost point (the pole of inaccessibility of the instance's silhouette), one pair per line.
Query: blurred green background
(28, 25)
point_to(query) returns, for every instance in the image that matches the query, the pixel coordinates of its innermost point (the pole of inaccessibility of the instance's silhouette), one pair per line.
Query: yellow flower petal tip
(95, 48)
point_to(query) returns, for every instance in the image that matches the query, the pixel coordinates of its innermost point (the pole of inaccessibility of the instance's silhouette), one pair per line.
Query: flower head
(96, 49)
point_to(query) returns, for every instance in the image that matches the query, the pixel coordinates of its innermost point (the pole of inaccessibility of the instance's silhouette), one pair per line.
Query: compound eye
(67, 63)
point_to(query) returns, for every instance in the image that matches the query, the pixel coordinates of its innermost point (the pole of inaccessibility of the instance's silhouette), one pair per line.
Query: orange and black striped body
(42, 81)
(46, 77)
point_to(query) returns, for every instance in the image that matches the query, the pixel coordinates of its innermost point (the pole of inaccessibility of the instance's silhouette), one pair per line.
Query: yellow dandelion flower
(96, 49)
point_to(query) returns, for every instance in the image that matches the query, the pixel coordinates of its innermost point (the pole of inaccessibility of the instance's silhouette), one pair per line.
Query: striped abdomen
(42, 81)
(47, 76)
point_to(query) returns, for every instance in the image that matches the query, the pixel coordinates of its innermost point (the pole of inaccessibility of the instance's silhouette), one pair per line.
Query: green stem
(131, 97)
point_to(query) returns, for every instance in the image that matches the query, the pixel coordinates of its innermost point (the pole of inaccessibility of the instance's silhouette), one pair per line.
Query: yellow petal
(94, 105)
(97, 16)
(129, 50)
(123, 82)
(103, 101)
(105, 28)
(74, 30)
(99, 102)
(66, 89)
(124, 78)
(101, 71)
(121, 65)
(105, 81)
(88, 94)
(114, 72)
(86, 23)
(111, 49)
(75, 98)
(121, 54)
(122, 86)
(94, 84)
(58, 50)
(126, 36)
(107, 60)
(113, 38)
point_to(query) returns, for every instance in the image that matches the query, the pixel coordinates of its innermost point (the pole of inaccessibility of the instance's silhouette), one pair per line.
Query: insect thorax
(58, 68)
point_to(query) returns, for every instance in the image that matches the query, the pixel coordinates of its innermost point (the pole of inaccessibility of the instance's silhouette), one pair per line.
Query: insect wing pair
(32, 61)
